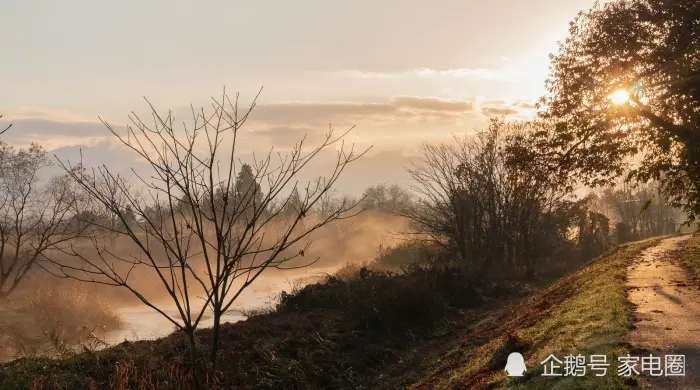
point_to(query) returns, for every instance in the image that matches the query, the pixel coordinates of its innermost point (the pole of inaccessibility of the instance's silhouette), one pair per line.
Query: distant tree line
(638, 210)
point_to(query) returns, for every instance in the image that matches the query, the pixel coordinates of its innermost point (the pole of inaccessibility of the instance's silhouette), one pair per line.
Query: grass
(689, 256)
(584, 313)
(46, 317)
(420, 328)
(336, 334)
(594, 320)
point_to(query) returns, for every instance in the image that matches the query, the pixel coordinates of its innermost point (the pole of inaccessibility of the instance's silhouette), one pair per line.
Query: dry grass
(351, 331)
(47, 314)
(333, 335)
(586, 312)
(689, 256)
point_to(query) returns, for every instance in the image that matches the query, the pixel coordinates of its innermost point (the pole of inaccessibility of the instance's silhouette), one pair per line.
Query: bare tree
(202, 232)
(640, 209)
(385, 197)
(478, 199)
(33, 216)
(327, 203)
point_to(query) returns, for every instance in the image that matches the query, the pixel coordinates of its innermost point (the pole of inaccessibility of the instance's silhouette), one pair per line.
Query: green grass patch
(584, 313)
(594, 320)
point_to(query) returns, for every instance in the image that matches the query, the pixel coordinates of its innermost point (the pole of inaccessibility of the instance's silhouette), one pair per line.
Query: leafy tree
(648, 50)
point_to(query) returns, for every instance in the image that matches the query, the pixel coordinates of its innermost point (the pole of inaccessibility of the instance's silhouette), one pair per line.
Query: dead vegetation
(372, 328)
(49, 318)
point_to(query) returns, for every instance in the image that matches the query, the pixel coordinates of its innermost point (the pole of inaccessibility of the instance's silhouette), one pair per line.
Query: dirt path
(667, 315)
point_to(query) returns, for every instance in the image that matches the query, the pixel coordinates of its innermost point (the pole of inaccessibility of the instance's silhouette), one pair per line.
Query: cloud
(432, 104)
(295, 113)
(118, 158)
(458, 73)
(290, 136)
(403, 119)
(519, 109)
(44, 127)
(395, 109)
(398, 119)
(23, 113)
(526, 105)
(55, 133)
(394, 126)
(391, 124)
(498, 111)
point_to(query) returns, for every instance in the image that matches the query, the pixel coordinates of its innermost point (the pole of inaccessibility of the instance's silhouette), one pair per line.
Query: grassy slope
(690, 256)
(351, 335)
(585, 313)
(332, 335)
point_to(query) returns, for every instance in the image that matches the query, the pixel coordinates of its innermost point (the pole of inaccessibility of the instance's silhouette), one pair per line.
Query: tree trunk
(195, 367)
(486, 266)
(215, 337)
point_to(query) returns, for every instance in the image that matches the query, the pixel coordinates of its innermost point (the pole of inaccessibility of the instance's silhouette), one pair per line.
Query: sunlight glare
(620, 97)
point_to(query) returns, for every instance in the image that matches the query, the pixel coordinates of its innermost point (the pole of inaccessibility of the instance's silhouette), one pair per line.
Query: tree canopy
(387, 197)
(649, 51)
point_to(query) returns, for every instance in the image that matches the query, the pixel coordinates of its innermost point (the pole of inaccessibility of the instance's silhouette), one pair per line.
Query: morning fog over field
(394, 194)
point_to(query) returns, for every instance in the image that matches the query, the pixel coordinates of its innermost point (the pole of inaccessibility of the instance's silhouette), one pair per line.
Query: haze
(402, 71)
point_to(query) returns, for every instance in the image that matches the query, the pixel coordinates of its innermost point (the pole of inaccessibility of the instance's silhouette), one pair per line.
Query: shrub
(388, 301)
(403, 254)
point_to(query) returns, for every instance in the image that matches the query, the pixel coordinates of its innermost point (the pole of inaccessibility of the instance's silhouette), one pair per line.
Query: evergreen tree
(246, 191)
(294, 204)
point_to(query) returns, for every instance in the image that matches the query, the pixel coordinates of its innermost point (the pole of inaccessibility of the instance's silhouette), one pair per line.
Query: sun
(619, 97)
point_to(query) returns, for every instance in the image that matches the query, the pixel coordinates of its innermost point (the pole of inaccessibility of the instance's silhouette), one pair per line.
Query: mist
(122, 314)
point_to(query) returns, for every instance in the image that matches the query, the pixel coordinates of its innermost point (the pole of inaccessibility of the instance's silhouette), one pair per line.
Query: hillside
(376, 329)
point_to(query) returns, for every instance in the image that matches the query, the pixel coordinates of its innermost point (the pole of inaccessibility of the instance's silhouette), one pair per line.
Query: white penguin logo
(515, 365)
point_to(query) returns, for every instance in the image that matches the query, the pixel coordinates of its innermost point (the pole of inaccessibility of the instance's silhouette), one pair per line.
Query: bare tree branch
(204, 224)
(35, 218)
(6, 128)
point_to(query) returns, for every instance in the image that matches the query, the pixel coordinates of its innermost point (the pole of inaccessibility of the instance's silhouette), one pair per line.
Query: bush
(403, 254)
(387, 301)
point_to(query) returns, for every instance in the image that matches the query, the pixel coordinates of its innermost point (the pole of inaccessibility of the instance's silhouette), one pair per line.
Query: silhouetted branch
(204, 223)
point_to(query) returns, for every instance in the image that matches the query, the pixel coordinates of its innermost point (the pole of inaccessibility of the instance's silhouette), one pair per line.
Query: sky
(401, 71)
